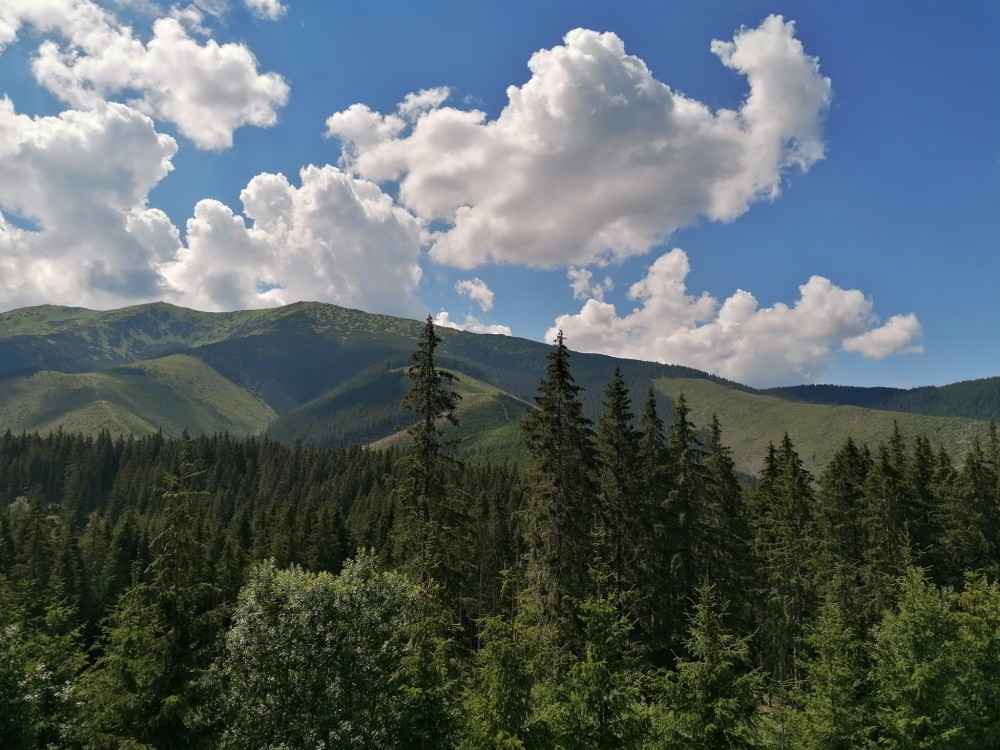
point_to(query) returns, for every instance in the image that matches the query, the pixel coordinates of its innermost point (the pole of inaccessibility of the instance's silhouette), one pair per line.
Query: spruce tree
(619, 497)
(783, 544)
(560, 496)
(726, 535)
(431, 519)
(685, 538)
(710, 701)
(654, 600)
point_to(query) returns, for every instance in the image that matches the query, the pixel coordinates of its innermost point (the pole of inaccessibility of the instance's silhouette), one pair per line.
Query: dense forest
(628, 590)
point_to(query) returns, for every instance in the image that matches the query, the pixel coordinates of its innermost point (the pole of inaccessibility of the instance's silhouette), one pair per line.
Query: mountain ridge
(327, 375)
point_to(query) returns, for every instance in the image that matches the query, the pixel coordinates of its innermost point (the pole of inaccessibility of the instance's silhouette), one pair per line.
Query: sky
(775, 192)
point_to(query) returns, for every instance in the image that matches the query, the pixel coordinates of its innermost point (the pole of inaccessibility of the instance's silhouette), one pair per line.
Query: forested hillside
(327, 376)
(624, 591)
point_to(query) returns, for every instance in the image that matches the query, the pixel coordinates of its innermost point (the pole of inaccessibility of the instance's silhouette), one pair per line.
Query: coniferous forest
(628, 590)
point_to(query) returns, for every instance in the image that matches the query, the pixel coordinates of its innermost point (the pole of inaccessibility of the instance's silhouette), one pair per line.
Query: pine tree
(619, 496)
(431, 522)
(560, 496)
(686, 540)
(783, 542)
(711, 699)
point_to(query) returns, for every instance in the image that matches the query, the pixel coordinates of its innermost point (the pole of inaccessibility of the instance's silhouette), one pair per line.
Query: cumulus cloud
(335, 238)
(74, 189)
(583, 286)
(206, 89)
(594, 159)
(270, 10)
(75, 226)
(897, 335)
(476, 289)
(471, 324)
(737, 339)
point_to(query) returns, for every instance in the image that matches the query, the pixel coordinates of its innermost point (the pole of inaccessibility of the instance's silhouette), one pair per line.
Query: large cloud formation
(206, 89)
(336, 238)
(593, 158)
(737, 339)
(74, 188)
(75, 224)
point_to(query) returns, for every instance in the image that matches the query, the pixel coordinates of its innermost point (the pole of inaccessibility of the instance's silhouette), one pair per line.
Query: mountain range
(326, 375)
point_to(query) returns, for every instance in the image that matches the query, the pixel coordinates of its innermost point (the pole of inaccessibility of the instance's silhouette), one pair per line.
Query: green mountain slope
(327, 375)
(489, 423)
(751, 420)
(171, 393)
(975, 399)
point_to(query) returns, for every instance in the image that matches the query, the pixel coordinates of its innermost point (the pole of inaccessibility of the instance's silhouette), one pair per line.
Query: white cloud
(74, 190)
(582, 283)
(205, 88)
(476, 289)
(897, 335)
(593, 158)
(737, 339)
(270, 10)
(470, 324)
(335, 239)
(75, 226)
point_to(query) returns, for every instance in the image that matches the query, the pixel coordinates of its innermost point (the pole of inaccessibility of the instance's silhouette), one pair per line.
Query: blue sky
(776, 192)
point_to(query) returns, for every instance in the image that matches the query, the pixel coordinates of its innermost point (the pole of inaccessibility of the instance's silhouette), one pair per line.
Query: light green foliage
(936, 667)
(310, 659)
(710, 700)
(499, 700)
(836, 709)
(598, 703)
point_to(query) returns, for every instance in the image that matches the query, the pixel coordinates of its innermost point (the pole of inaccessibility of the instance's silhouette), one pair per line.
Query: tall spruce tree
(725, 527)
(685, 537)
(560, 497)
(619, 497)
(430, 520)
(654, 600)
(783, 542)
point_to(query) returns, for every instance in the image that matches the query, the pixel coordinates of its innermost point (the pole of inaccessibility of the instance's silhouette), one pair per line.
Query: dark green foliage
(783, 546)
(620, 503)
(976, 399)
(209, 592)
(560, 502)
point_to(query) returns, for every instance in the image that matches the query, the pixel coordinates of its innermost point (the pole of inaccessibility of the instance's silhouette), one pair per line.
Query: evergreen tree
(432, 521)
(836, 708)
(619, 486)
(655, 596)
(499, 700)
(783, 542)
(685, 534)
(710, 701)
(560, 495)
(725, 528)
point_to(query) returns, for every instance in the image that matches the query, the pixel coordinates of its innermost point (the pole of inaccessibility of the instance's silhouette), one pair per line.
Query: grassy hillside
(751, 420)
(171, 393)
(975, 399)
(327, 375)
(489, 425)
